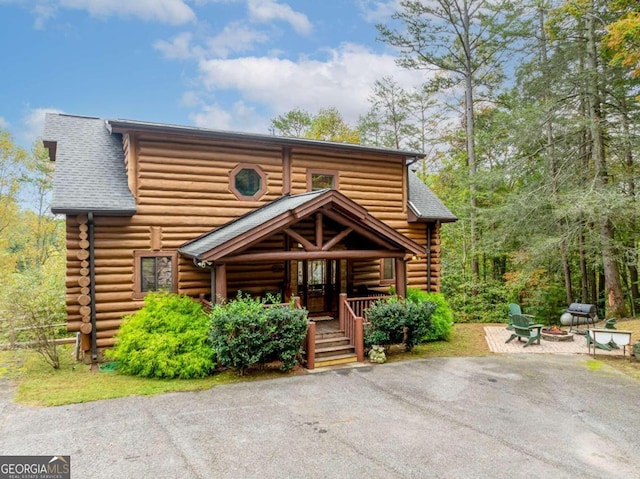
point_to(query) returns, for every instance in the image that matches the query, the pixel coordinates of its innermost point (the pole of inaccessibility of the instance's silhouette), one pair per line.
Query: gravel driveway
(494, 416)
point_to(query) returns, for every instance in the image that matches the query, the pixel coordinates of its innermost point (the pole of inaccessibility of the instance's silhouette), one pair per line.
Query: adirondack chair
(515, 309)
(523, 329)
(611, 324)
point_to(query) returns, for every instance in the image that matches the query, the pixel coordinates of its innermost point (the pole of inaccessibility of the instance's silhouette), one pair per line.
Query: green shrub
(289, 328)
(442, 317)
(393, 321)
(167, 338)
(244, 333)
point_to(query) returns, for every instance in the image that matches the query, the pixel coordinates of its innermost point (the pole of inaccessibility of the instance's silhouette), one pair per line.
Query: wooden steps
(333, 347)
(338, 359)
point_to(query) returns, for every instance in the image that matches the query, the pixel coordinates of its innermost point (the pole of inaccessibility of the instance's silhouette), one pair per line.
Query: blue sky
(226, 64)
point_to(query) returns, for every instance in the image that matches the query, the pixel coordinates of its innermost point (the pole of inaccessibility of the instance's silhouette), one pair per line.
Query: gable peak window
(322, 179)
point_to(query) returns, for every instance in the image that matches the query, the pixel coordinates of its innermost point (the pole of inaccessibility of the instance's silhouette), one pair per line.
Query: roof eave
(428, 219)
(124, 126)
(61, 210)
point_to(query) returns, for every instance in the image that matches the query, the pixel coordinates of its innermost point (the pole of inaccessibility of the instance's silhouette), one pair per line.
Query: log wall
(181, 185)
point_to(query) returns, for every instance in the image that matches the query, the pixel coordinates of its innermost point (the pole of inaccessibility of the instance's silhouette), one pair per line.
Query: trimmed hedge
(394, 321)
(244, 333)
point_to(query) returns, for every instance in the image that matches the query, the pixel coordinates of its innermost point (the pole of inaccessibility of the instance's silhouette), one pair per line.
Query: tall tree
(583, 17)
(295, 123)
(465, 39)
(623, 35)
(328, 125)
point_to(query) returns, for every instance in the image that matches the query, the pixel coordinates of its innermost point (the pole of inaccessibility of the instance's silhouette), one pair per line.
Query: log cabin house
(205, 213)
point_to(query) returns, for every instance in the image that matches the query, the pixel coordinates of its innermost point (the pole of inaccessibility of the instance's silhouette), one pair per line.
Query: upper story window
(248, 182)
(322, 179)
(155, 271)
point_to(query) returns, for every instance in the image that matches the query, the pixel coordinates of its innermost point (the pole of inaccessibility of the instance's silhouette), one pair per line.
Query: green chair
(611, 324)
(515, 309)
(592, 342)
(523, 329)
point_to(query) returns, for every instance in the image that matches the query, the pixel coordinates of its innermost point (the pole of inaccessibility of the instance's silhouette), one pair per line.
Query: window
(155, 271)
(322, 179)
(247, 182)
(387, 270)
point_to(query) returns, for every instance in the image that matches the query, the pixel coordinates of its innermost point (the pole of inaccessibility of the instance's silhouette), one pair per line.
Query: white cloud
(212, 116)
(265, 11)
(343, 80)
(43, 12)
(33, 122)
(173, 12)
(179, 47)
(235, 37)
(376, 11)
(4, 124)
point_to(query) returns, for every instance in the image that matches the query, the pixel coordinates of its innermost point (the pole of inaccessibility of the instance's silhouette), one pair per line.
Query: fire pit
(554, 333)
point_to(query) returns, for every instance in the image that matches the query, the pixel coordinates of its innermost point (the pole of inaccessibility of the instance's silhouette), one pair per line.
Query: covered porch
(320, 247)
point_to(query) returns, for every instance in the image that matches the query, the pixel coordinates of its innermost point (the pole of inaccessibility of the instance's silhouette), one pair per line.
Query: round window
(248, 182)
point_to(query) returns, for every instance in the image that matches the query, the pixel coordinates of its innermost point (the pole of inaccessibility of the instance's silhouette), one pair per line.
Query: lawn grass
(467, 339)
(39, 385)
(625, 365)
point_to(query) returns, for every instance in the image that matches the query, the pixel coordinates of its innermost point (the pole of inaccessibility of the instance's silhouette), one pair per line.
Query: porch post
(311, 345)
(401, 278)
(359, 339)
(341, 301)
(220, 273)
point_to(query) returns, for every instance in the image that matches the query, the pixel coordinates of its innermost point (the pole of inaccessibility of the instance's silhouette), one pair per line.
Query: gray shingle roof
(253, 219)
(121, 124)
(90, 174)
(425, 204)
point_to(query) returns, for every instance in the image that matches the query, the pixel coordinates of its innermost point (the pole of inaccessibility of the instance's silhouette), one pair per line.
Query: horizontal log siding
(378, 185)
(182, 188)
(192, 181)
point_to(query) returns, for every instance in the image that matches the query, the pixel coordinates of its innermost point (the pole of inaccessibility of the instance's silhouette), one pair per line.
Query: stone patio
(497, 335)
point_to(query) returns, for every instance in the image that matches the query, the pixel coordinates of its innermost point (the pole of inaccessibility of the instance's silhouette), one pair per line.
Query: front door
(319, 285)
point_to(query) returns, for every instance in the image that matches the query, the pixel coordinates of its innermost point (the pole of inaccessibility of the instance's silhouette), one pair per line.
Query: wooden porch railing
(353, 316)
(362, 304)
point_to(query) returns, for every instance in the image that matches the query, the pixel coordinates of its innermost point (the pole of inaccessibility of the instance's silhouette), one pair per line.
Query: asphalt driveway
(497, 416)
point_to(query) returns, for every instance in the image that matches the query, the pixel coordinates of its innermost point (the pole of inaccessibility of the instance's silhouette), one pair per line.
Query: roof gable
(90, 174)
(263, 222)
(424, 204)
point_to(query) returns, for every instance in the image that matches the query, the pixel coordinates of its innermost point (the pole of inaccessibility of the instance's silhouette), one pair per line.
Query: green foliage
(484, 302)
(296, 123)
(167, 338)
(442, 317)
(244, 333)
(288, 327)
(328, 125)
(393, 321)
(32, 304)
